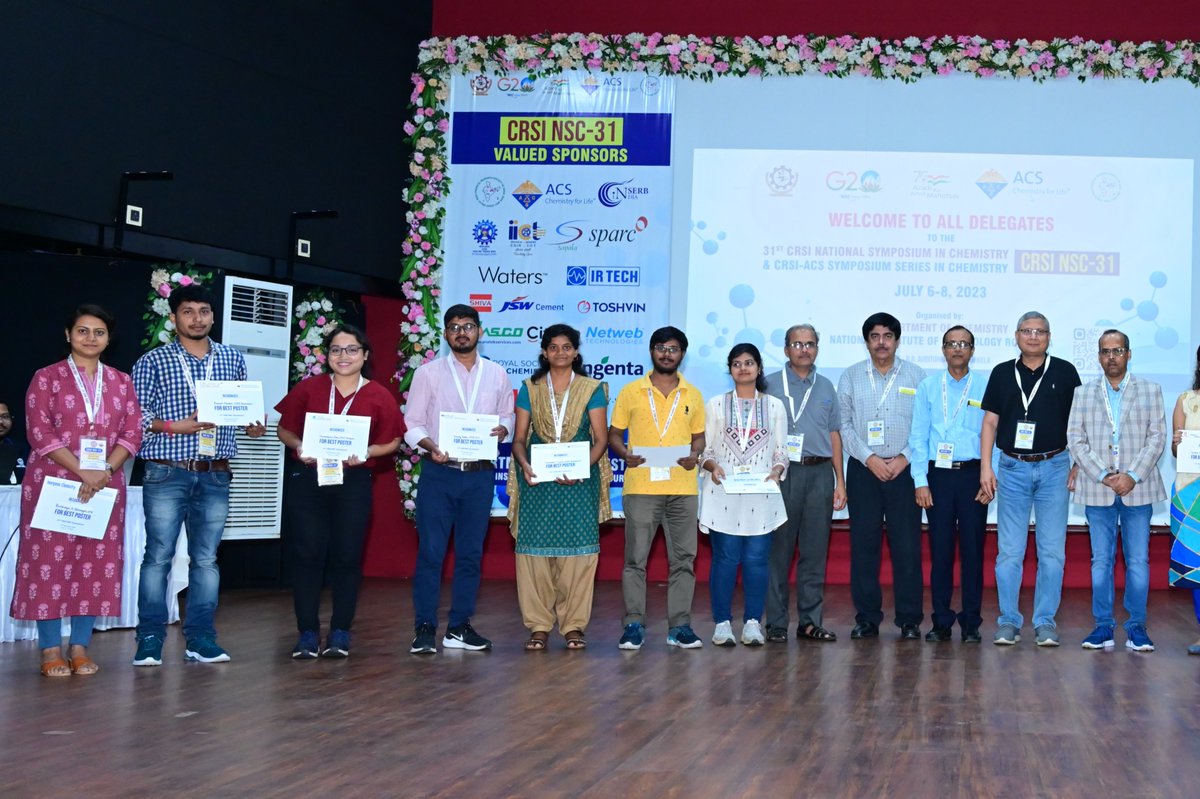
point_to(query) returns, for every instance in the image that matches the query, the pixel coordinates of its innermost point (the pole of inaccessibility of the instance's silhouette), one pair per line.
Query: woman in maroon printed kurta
(62, 575)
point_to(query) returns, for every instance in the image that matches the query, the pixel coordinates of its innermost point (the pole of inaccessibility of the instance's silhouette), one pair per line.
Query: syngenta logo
(604, 369)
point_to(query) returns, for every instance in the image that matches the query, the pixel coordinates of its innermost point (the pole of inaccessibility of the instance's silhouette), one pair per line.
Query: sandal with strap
(56, 668)
(576, 640)
(83, 665)
(815, 632)
(537, 641)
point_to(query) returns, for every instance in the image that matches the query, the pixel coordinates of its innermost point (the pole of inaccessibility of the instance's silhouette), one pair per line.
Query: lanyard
(743, 428)
(945, 406)
(468, 407)
(662, 431)
(796, 414)
(886, 388)
(94, 405)
(558, 414)
(1108, 405)
(353, 396)
(1027, 400)
(187, 371)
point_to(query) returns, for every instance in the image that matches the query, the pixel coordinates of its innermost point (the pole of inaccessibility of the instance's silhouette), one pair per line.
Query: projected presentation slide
(939, 239)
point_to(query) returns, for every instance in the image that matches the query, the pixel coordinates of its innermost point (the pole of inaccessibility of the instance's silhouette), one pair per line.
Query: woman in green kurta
(555, 520)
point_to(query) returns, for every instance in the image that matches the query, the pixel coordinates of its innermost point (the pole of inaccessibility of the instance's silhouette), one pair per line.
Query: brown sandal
(83, 665)
(576, 640)
(49, 666)
(537, 641)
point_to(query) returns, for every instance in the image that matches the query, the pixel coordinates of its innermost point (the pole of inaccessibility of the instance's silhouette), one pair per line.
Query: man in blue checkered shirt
(187, 476)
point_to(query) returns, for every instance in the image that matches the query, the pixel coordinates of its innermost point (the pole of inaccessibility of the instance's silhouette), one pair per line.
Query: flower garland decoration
(164, 279)
(702, 58)
(315, 318)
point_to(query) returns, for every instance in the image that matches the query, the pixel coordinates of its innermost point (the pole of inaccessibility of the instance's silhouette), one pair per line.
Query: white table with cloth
(135, 546)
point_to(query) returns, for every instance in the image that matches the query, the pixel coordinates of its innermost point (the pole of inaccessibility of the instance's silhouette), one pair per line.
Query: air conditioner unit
(257, 321)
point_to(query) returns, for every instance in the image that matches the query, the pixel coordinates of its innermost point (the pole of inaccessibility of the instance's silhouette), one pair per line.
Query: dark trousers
(808, 497)
(462, 502)
(327, 526)
(871, 501)
(956, 516)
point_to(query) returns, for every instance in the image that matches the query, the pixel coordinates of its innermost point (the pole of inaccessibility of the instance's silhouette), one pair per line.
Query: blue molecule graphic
(777, 337)
(751, 336)
(1166, 338)
(1158, 279)
(707, 245)
(1127, 304)
(720, 341)
(705, 350)
(711, 318)
(741, 296)
(1147, 310)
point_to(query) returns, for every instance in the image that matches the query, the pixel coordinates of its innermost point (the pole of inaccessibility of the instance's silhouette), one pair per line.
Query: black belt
(465, 466)
(957, 464)
(221, 465)
(1034, 457)
(811, 460)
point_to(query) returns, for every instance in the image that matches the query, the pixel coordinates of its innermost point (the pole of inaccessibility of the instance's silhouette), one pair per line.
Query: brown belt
(221, 465)
(957, 464)
(1035, 457)
(811, 460)
(465, 466)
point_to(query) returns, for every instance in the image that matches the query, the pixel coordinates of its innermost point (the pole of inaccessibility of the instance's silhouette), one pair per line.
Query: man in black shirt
(13, 449)
(1026, 406)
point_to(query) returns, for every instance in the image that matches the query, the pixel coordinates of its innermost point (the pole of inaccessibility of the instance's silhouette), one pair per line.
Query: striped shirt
(165, 393)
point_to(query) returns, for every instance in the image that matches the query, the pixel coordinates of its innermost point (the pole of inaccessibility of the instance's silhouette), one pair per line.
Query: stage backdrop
(561, 212)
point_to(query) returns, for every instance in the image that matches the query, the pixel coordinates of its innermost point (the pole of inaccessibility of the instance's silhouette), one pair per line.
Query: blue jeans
(173, 498)
(752, 552)
(458, 501)
(1135, 544)
(1042, 487)
(50, 632)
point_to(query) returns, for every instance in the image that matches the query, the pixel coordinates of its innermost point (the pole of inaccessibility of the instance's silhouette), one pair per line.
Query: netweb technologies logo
(612, 193)
(613, 335)
(603, 369)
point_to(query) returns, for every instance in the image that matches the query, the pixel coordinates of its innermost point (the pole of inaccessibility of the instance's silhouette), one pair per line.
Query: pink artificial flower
(827, 67)
(320, 357)
(443, 125)
(419, 197)
(303, 324)
(409, 128)
(321, 320)
(945, 69)
(184, 280)
(165, 290)
(1000, 44)
(720, 67)
(1062, 72)
(1150, 72)
(918, 59)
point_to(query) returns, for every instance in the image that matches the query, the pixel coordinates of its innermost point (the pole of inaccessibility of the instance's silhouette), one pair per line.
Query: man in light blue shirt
(944, 443)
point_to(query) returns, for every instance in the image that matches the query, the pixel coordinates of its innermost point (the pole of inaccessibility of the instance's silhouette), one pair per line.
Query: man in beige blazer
(1116, 433)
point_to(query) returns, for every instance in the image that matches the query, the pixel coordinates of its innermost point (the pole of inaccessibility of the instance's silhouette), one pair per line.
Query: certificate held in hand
(334, 436)
(1187, 454)
(571, 460)
(749, 483)
(468, 436)
(60, 510)
(229, 402)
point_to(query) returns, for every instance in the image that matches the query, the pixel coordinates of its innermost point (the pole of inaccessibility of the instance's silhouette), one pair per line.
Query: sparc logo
(991, 183)
(781, 180)
(489, 191)
(612, 193)
(600, 236)
(527, 194)
(623, 276)
(521, 303)
(481, 302)
(485, 233)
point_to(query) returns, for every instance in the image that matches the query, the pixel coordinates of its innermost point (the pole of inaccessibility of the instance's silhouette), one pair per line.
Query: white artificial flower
(326, 305)
(176, 277)
(169, 325)
(164, 336)
(314, 337)
(161, 307)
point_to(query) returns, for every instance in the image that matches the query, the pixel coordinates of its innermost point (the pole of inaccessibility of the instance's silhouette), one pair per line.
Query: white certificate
(229, 402)
(1187, 454)
(750, 483)
(59, 509)
(571, 460)
(662, 457)
(334, 436)
(468, 436)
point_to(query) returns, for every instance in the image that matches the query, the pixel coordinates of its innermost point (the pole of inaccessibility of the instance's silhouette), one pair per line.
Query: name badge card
(468, 436)
(945, 456)
(659, 474)
(334, 436)
(207, 447)
(93, 454)
(229, 402)
(795, 447)
(569, 459)
(60, 509)
(1024, 439)
(330, 472)
(1187, 454)
(875, 433)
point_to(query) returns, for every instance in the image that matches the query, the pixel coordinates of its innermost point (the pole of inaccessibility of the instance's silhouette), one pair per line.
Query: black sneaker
(425, 642)
(306, 647)
(465, 637)
(776, 635)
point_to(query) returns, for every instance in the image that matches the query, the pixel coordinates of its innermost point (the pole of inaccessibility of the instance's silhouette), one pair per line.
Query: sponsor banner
(561, 213)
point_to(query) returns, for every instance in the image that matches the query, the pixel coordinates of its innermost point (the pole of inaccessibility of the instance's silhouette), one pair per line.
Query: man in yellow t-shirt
(660, 410)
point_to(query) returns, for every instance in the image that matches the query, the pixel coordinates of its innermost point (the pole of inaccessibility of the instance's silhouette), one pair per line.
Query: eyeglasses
(5, 417)
(468, 328)
(1117, 351)
(663, 349)
(351, 351)
(1033, 332)
(749, 363)
(957, 345)
(802, 345)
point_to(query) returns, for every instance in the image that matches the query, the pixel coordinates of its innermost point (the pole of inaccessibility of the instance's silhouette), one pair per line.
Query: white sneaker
(752, 633)
(723, 635)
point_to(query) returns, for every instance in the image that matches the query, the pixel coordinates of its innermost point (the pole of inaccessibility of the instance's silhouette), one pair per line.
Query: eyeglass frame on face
(1033, 332)
(352, 350)
(7, 416)
(663, 349)
(1117, 351)
(468, 328)
(749, 362)
(957, 345)
(802, 345)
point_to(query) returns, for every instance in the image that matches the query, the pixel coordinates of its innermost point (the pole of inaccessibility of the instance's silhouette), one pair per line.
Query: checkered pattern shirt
(164, 393)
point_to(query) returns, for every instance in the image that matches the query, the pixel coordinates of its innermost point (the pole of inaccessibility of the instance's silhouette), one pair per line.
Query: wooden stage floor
(853, 718)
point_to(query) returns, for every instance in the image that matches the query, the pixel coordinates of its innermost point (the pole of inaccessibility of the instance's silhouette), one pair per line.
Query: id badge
(875, 433)
(741, 469)
(330, 472)
(660, 473)
(1024, 438)
(93, 454)
(208, 443)
(1116, 455)
(795, 447)
(945, 456)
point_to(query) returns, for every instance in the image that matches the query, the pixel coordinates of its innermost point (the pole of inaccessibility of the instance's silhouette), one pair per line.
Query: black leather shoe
(910, 632)
(776, 635)
(865, 630)
(938, 633)
(970, 635)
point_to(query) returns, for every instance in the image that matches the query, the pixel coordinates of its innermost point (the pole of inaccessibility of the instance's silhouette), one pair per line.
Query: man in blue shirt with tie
(944, 442)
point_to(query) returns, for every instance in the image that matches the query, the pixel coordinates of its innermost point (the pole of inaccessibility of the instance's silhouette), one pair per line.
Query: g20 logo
(868, 181)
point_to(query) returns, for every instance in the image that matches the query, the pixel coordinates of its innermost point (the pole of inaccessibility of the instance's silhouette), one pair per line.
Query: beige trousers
(550, 589)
